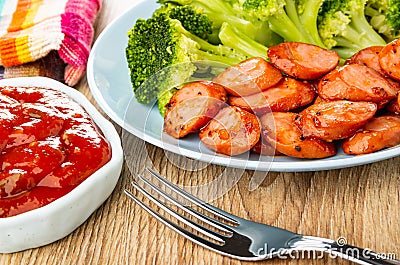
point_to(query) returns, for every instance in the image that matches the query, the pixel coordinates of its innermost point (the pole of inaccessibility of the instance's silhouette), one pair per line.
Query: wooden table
(361, 204)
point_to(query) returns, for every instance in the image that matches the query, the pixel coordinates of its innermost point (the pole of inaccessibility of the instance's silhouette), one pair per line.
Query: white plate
(109, 81)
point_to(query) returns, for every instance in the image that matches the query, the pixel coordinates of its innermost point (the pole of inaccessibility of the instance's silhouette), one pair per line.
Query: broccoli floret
(344, 28)
(160, 42)
(192, 18)
(292, 20)
(384, 17)
(163, 99)
(220, 11)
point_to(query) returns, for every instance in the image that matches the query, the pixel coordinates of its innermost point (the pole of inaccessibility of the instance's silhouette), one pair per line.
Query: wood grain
(361, 204)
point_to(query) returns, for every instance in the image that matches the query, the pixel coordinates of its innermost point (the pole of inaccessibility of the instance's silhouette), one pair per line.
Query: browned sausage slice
(287, 95)
(332, 87)
(335, 120)
(364, 77)
(265, 148)
(389, 59)
(249, 77)
(398, 100)
(303, 61)
(232, 131)
(368, 56)
(394, 106)
(380, 132)
(279, 129)
(356, 82)
(318, 100)
(192, 107)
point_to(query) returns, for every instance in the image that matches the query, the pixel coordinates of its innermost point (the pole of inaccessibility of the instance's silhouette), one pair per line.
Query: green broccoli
(221, 11)
(384, 17)
(307, 11)
(292, 20)
(192, 18)
(241, 42)
(344, 28)
(163, 99)
(160, 42)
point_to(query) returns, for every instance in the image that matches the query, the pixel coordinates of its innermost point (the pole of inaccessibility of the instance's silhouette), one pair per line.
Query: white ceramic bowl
(59, 218)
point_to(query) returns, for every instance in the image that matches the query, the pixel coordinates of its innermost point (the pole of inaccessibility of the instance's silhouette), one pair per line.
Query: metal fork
(236, 237)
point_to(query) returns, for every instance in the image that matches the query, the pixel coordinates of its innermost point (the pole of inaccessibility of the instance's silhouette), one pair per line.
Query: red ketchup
(48, 146)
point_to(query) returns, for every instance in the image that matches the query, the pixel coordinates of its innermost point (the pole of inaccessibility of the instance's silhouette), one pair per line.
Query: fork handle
(345, 251)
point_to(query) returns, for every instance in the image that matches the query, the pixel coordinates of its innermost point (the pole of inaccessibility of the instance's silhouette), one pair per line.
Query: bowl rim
(103, 124)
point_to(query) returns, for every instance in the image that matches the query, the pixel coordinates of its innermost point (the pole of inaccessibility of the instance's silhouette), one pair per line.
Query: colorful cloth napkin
(46, 37)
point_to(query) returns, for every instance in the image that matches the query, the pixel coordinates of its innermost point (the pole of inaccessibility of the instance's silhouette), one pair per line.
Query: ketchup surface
(48, 146)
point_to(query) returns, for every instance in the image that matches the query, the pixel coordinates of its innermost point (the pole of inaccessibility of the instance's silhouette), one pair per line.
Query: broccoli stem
(220, 11)
(309, 20)
(282, 25)
(256, 31)
(209, 51)
(235, 39)
(352, 36)
(371, 12)
(291, 11)
(360, 23)
(344, 52)
(352, 39)
(351, 42)
(343, 42)
(217, 58)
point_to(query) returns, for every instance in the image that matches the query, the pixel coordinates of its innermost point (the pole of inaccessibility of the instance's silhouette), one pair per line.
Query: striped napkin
(46, 37)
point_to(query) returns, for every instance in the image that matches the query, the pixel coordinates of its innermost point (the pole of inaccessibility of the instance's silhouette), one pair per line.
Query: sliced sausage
(24, 166)
(398, 100)
(363, 77)
(389, 59)
(379, 133)
(356, 82)
(192, 107)
(265, 148)
(249, 77)
(332, 87)
(335, 120)
(394, 106)
(279, 129)
(368, 56)
(287, 95)
(303, 61)
(318, 100)
(232, 131)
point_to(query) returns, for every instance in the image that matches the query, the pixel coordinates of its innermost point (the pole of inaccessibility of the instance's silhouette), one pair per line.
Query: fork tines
(209, 232)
